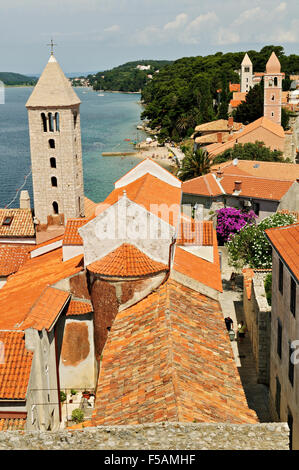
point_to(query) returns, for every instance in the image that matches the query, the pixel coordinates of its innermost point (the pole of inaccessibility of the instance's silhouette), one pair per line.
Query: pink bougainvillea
(231, 220)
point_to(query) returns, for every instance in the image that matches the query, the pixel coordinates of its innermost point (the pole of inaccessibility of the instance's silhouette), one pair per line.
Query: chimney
(230, 122)
(238, 185)
(219, 137)
(219, 174)
(25, 200)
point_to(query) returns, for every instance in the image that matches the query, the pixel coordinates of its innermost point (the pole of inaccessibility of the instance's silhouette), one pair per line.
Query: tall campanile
(55, 145)
(273, 89)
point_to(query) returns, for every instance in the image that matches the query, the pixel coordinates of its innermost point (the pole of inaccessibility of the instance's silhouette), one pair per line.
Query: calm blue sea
(106, 121)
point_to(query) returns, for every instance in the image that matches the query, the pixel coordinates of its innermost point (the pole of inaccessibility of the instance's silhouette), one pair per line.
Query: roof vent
(235, 162)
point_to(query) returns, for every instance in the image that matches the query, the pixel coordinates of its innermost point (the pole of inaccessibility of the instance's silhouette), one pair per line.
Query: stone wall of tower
(272, 97)
(68, 171)
(246, 78)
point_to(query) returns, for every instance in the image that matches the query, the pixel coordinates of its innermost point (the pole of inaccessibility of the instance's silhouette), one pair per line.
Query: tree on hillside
(253, 108)
(250, 151)
(195, 164)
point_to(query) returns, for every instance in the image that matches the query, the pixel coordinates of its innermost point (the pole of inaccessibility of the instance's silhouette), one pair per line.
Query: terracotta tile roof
(199, 269)
(12, 257)
(217, 126)
(126, 261)
(46, 243)
(24, 287)
(169, 358)
(79, 307)
(149, 192)
(239, 96)
(12, 424)
(46, 309)
(273, 170)
(21, 224)
(263, 123)
(71, 234)
(15, 371)
(195, 233)
(267, 187)
(235, 103)
(285, 240)
(234, 87)
(205, 185)
(212, 138)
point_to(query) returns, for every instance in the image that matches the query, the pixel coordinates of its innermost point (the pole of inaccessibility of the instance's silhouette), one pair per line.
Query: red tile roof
(89, 207)
(205, 185)
(285, 240)
(195, 233)
(71, 234)
(79, 307)
(46, 309)
(24, 287)
(169, 358)
(199, 269)
(273, 170)
(15, 371)
(21, 224)
(126, 261)
(12, 257)
(234, 87)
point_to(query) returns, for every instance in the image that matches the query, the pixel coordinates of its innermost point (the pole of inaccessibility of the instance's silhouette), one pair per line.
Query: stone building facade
(284, 364)
(55, 145)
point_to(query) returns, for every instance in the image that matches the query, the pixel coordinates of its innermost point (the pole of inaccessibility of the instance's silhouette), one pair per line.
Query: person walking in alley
(241, 331)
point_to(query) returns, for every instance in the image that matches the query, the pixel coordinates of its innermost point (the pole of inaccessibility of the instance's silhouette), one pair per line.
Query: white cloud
(112, 29)
(227, 36)
(179, 22)
(281, 7)
(248, 15)
(197, 29)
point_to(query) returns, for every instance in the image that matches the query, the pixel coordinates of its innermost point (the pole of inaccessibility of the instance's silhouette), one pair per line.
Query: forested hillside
(126, 77)
(10, 78)
(186, 93)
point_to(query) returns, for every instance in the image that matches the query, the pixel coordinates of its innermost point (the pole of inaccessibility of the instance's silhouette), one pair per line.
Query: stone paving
(232, 305)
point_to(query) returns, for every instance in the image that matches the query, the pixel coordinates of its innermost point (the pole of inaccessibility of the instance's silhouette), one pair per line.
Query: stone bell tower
(246, 74)
(273, 89)
(55, 145)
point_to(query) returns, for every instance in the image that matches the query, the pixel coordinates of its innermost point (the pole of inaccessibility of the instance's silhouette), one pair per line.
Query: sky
(96, 35)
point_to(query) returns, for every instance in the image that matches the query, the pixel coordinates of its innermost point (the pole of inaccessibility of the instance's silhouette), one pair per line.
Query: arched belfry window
(55, 207)
(57, 123)
(44, 122)
(52, 143)
(275, 81)
(54, 181)
(53, 162)
(51, 122)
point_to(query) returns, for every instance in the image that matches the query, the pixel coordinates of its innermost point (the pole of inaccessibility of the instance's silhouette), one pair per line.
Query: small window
(57, 123)
(7, 221)
(272, 97)
(75, 118)
(275, 81)
(44, 122)
(55, 207)
(256, 208)
(278, 397)
(291, 364)
(293, 297)
(280, 277)
(53, 162)
(246, 69)
(51, 122)
(52, 144)
(279, 338)
(54, 181)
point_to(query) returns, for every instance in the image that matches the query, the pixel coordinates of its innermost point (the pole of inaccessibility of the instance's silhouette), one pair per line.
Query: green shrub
(62, 396)
(268, 287)
(77, 415)
(73, 392)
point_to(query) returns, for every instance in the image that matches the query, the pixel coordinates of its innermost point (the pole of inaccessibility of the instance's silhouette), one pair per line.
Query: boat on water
(100, 94)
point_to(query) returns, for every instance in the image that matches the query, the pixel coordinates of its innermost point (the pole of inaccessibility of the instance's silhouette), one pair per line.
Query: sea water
(106, 123)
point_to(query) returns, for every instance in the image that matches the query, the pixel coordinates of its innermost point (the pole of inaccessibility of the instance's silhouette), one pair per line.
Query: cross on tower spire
(52, 46)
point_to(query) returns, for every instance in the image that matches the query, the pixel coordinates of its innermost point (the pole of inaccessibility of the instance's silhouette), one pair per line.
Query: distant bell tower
(273, 89)
(55, 145)
(246, 74)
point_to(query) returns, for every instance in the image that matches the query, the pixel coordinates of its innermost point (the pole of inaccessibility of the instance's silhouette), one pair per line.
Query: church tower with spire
(246, 74)
(273, 89)
(55, 146)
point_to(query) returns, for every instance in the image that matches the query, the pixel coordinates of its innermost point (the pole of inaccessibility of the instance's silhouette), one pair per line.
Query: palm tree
(195, 164)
